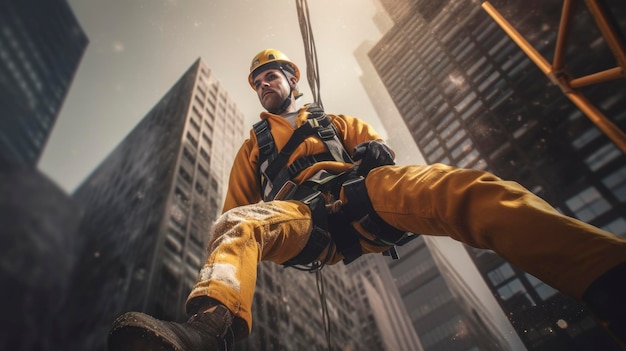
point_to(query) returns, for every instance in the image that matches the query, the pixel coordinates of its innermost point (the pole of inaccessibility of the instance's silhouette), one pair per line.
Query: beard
(274, 103)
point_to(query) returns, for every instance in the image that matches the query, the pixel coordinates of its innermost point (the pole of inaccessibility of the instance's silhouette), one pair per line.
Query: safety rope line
(312, 75)
(319, 279)
(312, 69)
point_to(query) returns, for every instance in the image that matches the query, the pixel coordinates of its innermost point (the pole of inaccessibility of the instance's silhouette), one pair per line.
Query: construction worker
(331, 192)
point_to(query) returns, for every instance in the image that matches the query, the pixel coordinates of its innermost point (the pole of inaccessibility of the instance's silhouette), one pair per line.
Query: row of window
(508, 285)
(445, 331)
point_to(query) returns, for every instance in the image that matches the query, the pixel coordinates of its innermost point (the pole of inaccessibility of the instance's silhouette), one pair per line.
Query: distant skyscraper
(287, 311)
(39, 226)
(398, 137)
(383, 317)
(471, 98)
(149, 205)
(41, 45)
(475, 312)
(439, 320)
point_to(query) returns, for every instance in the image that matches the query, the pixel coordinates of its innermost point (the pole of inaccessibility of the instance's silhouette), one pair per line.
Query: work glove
(372, 154)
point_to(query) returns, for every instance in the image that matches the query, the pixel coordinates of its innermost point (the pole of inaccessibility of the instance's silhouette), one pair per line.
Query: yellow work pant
(470, 206)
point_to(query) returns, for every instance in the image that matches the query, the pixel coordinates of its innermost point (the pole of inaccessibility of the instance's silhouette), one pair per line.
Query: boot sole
(130, 334)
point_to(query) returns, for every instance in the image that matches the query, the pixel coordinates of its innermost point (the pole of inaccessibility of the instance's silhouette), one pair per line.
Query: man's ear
(293, 81)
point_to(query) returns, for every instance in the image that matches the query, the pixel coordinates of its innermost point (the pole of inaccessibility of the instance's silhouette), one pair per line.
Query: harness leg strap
(319, 238)
(359, 208)
(346, 238)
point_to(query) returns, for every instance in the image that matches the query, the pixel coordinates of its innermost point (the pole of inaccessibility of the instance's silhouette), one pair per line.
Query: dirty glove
(372, 154)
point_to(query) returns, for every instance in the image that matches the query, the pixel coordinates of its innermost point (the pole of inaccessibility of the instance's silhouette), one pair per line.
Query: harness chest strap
(273, 170)
(274, 175)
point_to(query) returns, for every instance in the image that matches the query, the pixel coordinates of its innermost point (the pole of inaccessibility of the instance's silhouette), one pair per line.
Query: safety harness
(275, 180)
(274, 175)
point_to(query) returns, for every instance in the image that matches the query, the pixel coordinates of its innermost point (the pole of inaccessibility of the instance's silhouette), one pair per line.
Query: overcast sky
(139, 48)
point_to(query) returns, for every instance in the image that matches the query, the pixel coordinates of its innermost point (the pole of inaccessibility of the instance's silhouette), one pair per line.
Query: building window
(616, 182)
(198, 101)
(203, 171)
(586, 138)
(194, 261)
(205, 155)
(181, 196)
(178, 217)
(471, 110)
(443, 331)
(617, 227)
(195, 235)
(192, 140)
(450, 129)
(199, 188)
(211, 116)
(175, 233)
(469, 158)
(194, 125)
(189, 156)
(172, 244)
(206, 139)
(604, 155)
(462, 148)
(501, 274)
(202, 88)
(436, 155)
(512, 289)
(543, 290)
(185, 175)
(430, 146)
(588, 204)
(455, 138)
(174, 223)
(211, 106)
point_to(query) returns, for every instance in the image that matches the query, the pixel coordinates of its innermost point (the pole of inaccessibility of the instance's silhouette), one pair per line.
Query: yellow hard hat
(267, 57)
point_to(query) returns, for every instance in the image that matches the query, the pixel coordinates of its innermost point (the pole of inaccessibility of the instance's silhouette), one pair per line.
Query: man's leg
(481, 210)
(221, 300)
(273, 231)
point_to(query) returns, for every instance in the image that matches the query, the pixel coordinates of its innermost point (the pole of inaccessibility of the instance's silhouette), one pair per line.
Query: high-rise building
(383, 318)
(483, 321)
(471, 98)
(37, 256)
(438, 317)
(287, 311)
(149, 205)
(41, 45)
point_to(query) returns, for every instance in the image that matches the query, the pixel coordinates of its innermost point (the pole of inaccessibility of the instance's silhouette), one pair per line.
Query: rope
(312, 75)
(312, 70)
(325, 317)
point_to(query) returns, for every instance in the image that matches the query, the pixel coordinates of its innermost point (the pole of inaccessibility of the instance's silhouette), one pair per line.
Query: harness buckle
(309, 199)
(286, 191)
(313, 122)
(326, 133)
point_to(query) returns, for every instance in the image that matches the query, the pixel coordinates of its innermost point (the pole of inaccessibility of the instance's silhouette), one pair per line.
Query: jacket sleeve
(354, 131)
(243, 185)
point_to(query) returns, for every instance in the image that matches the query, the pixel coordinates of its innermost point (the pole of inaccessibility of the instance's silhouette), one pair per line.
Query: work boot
(606, 300)
(205, 331)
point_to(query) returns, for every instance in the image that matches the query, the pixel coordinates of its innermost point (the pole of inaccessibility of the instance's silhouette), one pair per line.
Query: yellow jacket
(243, 184)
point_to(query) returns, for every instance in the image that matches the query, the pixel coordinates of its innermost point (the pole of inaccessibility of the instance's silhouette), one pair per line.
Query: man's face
(272, 88)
